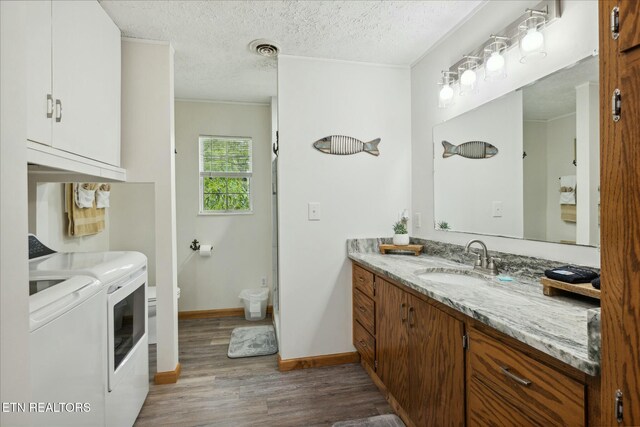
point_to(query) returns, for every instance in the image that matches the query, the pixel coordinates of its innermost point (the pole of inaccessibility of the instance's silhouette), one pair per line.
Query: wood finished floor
(214, 390)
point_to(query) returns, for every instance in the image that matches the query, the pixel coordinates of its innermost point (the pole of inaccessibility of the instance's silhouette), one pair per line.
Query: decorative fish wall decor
(470, 150)
(340, 144)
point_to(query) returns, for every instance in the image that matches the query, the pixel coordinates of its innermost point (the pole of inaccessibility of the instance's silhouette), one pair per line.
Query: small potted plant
(401, 236)
(444, 225)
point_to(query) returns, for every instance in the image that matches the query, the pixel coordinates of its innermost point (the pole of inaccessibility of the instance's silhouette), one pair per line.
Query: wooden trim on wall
(216, 313)
(317, 361)
(168, 377)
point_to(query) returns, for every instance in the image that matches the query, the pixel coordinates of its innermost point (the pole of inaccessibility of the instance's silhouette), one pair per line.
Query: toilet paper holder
(195, 245)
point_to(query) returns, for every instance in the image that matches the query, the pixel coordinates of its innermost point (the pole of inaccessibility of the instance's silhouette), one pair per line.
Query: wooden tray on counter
(416, 249)
(552, 287)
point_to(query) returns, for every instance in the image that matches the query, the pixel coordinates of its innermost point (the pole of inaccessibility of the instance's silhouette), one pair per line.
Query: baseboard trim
(317, 361)
(168, 377)
(216, 313)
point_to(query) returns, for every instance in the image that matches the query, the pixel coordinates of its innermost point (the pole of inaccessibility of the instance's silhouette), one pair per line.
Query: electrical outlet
(496, 209)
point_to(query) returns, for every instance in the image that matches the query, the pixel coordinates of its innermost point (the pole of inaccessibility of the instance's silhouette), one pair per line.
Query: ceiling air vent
(265, 48)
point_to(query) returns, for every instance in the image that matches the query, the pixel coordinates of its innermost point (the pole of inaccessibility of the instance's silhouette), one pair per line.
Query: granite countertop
(565, 328)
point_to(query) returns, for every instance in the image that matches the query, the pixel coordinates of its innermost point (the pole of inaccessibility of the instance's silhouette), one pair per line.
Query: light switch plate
(496, 209)
(314, 211)
(417, 219)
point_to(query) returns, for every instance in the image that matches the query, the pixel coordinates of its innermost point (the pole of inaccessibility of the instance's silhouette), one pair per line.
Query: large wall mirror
(525, 165)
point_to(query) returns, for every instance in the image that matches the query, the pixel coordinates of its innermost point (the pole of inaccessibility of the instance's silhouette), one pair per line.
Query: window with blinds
(225, 174)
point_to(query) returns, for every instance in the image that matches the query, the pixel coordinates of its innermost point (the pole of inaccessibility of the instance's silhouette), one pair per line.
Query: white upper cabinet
(77, 61)
(39, 87)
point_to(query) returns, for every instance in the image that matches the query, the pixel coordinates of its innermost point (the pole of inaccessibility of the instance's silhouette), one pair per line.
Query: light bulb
(468, 78)
(446, 93)
(532, 41)
(495, 62)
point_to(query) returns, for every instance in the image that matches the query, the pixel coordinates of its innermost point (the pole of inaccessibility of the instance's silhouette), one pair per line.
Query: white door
(39, 90)
(86, 81)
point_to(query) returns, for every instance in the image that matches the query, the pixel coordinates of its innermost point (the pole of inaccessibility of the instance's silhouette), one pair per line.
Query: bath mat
(388, 420)
(249, 341)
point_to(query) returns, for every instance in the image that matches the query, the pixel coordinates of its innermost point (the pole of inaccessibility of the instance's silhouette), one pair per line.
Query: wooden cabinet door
(436, 364)
(39, 90)
(393, 340)
(620, 220)
(629, 24)
(86, 81)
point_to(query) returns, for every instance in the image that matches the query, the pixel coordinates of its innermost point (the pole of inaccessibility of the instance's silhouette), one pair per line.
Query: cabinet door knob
(505, 370)
(58, 110)
(49, 106)
(362, 343)
(362, 309)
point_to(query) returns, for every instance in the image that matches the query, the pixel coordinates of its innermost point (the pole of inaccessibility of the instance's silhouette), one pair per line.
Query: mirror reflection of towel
(568, 190)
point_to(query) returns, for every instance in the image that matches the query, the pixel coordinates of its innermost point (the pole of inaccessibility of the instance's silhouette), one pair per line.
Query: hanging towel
(84, 195)
(568, 190)
(82, 221)
(102, 196)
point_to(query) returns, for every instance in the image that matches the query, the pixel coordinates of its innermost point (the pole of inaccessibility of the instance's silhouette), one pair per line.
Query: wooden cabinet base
(429, 377)
(397, 408)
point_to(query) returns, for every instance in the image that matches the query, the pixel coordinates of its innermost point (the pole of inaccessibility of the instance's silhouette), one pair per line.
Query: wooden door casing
(393, 340)
(436, 364)
(620, 209)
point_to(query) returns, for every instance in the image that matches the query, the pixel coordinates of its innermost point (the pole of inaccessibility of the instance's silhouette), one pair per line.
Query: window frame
(203, 174)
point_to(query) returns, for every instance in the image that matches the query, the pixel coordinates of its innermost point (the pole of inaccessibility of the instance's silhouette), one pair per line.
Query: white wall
(242, 242)
(569, 39)
(14, 275)
(535, 180)
(588, 159)
(148, 156)
(48, 220)
(561, 133)
(132, 222)
(466, 189)
(360, 195)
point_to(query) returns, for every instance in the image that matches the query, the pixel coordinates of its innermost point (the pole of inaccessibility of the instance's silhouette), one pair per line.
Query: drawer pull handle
(411, 315)
(402, 311)
(362, 343)
(514, 377)
(361, 279)
(362, 309)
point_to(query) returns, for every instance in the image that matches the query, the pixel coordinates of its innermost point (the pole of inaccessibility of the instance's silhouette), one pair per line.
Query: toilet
(151, 302)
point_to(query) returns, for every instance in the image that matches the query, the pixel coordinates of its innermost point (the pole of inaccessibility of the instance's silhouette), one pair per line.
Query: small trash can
(255, 303)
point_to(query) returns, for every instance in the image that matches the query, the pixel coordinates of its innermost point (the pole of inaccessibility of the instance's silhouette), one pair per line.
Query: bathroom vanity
(449, 346)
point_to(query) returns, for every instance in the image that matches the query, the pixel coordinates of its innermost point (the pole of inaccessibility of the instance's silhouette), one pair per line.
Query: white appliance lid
(53, 301)
(104, 266)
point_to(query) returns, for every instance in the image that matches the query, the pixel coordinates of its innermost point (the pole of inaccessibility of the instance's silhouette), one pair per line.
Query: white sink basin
(453, 277)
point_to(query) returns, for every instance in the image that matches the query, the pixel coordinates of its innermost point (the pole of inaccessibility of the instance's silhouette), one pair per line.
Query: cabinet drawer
(530, 386)
(364, 311)
(363, 280)
(365, 344)
(486, 408)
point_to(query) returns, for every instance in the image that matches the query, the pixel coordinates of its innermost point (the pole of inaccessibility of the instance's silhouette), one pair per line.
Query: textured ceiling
(555, 95)
(212, 60)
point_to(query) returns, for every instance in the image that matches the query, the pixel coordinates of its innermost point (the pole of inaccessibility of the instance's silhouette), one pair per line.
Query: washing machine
(123, 277)
(67, 339)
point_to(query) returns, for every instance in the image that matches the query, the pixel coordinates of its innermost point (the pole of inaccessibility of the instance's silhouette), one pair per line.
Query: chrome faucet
(484, 262)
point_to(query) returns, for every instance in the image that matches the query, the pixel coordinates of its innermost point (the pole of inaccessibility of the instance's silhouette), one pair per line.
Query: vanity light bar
(550, 9)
